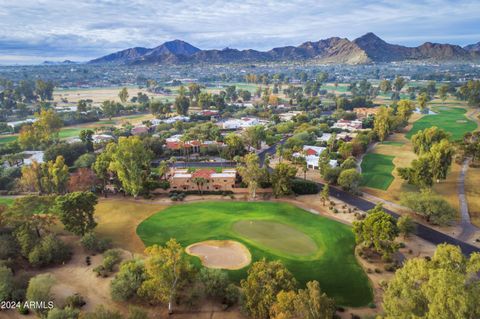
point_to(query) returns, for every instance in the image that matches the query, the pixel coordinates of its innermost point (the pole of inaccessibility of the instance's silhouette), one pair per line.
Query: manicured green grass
(7, 139)
(377, 170)
(6, 201)
(327, 257)
(276, 236)
(452, 120)
(393, 143)
(70, 132)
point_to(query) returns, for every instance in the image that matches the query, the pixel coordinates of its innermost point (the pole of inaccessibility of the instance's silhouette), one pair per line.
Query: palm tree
(200, 181)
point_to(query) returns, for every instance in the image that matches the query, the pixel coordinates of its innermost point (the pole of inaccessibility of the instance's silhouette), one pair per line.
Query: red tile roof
(204, 173)
(311, 152)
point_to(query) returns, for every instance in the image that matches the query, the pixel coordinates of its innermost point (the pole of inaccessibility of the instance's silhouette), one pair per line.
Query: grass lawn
(310, 246)
(377, 170)
(7, 139)
(6, 201)
(452, 120)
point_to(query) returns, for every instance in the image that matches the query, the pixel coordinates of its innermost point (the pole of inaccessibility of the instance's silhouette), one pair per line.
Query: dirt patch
(221, 254)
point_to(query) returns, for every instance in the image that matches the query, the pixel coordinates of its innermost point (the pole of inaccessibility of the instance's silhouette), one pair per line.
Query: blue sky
(32, 31)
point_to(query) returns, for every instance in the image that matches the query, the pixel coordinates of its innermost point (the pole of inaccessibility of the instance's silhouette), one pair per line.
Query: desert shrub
(50, 250)
(93, 244)
(110, 259)
(75, 301)
(39, 290)
(66, 313)
(128, 280)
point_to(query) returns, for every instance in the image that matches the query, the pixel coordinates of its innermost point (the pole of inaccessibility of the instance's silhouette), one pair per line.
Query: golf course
(310, 246)
(450, 119)
(377, 170)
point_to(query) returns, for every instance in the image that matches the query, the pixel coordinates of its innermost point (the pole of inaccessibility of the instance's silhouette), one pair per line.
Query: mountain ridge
(368, 48)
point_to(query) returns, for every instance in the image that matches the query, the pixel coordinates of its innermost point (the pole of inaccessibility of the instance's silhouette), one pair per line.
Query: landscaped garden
(377, 170)
(450, 119)
(310, 246)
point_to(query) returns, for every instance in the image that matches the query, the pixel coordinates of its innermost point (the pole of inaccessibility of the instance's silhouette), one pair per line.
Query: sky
(32, 31)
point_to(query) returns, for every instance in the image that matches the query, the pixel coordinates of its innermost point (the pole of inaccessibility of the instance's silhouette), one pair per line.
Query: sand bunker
(221, 254)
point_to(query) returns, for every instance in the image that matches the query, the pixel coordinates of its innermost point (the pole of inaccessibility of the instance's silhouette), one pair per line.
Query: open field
(118, 219)
(452, 120)
(377, 170)
(325, 251)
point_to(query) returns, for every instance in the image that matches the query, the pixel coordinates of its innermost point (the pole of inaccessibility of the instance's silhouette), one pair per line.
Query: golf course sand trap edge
(221, 254)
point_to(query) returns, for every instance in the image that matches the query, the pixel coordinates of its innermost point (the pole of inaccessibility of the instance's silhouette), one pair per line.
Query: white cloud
(90, 28)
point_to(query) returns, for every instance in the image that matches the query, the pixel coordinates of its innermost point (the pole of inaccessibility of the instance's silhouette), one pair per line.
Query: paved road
(429, 234)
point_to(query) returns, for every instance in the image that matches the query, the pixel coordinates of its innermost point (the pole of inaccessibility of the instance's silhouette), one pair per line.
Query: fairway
(377, 170)
(310, 246)
(7, 139)
(452, 120)
(392, 143)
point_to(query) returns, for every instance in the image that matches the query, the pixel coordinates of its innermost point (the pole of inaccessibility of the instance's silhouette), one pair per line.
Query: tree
(443, 92)
(215, 282)
(181, 104)
(399, 83)
(102, 164)
(39, 290)
(385, 86)
(312, 303)
(445, 287)
(382, 123)
(76, 211)
(43, 131)
(167, 270)
(131, 162)
(423, 140)
(434, 208)
(128, 280)
(234, 145)
(262, 285)
(251, 173)
(420, 173)
(254, 135)
(200, 181)
(56, 176)
(378, 231)
(110, 109)
(284, 306)
(349, 180)
(44, 89)
(87, 139)
(406, 225)
(405, 109)
(325, 194)
(123, 95)
(422, 100)
(441, 155)
(282, 179)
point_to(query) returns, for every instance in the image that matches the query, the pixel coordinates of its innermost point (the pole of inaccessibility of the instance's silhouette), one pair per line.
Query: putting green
(276, 236)
(310, 246)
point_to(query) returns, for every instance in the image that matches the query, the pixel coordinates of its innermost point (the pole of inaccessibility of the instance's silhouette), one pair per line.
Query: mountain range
(366, 49)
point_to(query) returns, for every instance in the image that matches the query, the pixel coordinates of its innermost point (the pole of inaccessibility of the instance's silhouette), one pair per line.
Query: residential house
(205, 179)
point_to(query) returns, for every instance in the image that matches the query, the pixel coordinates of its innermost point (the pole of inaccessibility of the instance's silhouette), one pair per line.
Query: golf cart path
(468, 229)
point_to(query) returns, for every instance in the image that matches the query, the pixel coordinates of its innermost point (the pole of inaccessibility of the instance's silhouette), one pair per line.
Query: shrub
(50, 250)
(128, 280)
(232, 295)
(66, 313)
(110, 259)
(215, 282)
(75, 301)
(39, 289)
(304, 187)
(94, 244)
